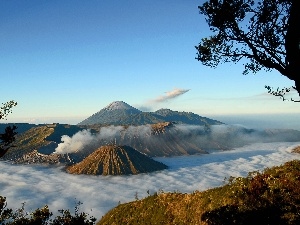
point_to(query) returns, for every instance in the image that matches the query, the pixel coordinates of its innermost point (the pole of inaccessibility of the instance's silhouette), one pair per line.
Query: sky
(38, 185)
(63, 61)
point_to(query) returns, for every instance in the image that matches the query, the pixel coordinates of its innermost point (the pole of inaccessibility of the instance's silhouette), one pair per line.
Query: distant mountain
(111, 114)
(185, 117)
(120, 113)
(115, 160)
(21, 127)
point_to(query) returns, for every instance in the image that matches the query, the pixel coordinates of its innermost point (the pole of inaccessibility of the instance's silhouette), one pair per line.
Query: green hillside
(271, 197)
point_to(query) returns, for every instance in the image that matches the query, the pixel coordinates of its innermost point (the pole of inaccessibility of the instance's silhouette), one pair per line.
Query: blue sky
(62, 61)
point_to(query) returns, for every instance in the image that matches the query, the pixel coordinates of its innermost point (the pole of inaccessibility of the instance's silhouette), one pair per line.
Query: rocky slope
(115, 160)
(111, 114)
(28, 141)
(43, 138)
(35, 157)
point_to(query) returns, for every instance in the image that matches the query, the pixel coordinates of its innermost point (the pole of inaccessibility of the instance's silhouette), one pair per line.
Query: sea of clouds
(228, 136)
(39, 185)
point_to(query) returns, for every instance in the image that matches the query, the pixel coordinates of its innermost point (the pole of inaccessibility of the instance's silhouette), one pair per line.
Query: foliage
(8, 137)
(272, 196)
(42, 216)
(264, 32)
(280, 93)
(269, 197)
(5, 109)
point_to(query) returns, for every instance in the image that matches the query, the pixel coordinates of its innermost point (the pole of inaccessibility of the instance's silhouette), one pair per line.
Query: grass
(268, 197)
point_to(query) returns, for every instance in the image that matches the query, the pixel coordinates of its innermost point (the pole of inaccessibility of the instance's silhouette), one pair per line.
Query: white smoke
(170, 95)
(107, 135)
(109, 132)
(75, 143)
(141, 137)
(152, 104)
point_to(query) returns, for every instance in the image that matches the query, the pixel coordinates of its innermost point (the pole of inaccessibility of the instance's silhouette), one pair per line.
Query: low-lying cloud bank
(39, 185)
(144, 137)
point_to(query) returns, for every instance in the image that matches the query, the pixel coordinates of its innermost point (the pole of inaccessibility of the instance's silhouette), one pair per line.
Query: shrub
(42, 216)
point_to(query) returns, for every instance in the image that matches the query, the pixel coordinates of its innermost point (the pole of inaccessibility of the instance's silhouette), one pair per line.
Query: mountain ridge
(121, 113)
(156, 140)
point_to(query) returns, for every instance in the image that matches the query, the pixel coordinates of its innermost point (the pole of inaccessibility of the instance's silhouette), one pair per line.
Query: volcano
(115, 160)
(120, 113)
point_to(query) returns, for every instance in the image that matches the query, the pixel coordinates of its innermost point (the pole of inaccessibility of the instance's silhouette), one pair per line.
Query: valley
(103, 165)
(66, 144)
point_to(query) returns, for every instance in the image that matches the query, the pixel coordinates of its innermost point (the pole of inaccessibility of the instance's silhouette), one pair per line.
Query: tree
(42, 216)
(8, 137)
(264, 32)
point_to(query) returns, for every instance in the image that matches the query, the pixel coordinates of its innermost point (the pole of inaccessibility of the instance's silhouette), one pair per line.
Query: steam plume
(173, 140)
(74, 144)
(171, 94)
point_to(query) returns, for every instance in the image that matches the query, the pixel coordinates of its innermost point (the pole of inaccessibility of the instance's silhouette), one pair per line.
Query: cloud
(40, 185)
(151, 104)
(193, 138)
(171, 94)
(74, 144)
(88, 142)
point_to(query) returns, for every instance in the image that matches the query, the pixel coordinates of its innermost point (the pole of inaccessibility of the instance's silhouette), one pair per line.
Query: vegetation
(8, 137)
(269, 197)
(6, 109)
(263, 32)
(296, 149)
(42, 216)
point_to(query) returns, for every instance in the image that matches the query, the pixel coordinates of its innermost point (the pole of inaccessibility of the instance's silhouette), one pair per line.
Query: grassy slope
(271, 197)
(30, 140)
